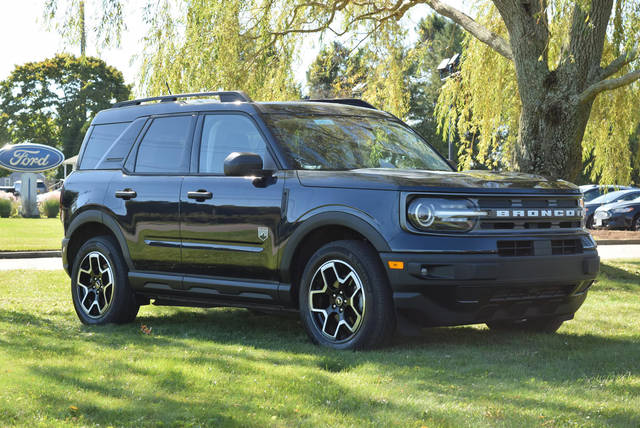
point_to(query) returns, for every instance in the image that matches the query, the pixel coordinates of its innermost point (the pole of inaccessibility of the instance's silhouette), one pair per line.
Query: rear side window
(102, 137)
(114, 157)
(164, 147)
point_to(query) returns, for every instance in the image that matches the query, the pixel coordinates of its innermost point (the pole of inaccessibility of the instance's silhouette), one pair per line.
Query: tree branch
(617, 64)
(493, 40)
(607, 85)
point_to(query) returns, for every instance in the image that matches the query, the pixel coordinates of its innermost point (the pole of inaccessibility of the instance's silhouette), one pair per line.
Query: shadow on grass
(460, 363)
(615, 277)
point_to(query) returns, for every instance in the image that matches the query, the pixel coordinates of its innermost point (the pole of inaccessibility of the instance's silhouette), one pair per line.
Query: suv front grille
(534, 213)
(515, 248)
(524, 248)
(500, 294)
(566, 246)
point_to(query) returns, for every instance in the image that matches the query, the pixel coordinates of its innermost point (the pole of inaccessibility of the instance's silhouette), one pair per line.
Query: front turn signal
(396, 265)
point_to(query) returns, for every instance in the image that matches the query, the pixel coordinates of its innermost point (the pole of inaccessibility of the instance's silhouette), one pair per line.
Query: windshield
(352, 142)
(609, 197)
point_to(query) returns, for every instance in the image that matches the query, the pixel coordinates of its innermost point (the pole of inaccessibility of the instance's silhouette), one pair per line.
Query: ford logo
(30, 157)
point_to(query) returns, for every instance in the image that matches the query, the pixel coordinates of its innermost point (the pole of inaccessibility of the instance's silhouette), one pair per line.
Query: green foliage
(400, 79)
(439, 38)
(486, 102)
(50, 208)
(200, 45)
(337, 70)
(5, 208)
(51, 101)
(105, 21)
(482, 101)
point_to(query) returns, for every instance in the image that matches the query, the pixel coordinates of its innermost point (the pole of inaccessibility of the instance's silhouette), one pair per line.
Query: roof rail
(348, 101)
(225, 97)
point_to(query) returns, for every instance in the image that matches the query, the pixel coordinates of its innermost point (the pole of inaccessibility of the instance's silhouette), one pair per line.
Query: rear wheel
(539, 325)
(345, 299)
(635, 225)
(99, 284)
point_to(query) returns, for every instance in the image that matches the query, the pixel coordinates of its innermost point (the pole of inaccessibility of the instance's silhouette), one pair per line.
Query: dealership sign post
(29, 159)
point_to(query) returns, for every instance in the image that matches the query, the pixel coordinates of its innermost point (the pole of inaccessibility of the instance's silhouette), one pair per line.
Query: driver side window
(223, 134)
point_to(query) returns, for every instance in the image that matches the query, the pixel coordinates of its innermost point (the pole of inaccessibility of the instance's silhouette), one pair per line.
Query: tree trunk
(553, 118)
(83, 31)
(550, 135)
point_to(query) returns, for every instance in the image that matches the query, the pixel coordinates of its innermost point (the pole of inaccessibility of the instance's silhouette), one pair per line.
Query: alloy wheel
(337, 300)
(95, 285)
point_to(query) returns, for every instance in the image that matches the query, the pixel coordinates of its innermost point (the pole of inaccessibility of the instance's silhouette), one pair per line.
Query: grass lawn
(228, 367)
(27, 234)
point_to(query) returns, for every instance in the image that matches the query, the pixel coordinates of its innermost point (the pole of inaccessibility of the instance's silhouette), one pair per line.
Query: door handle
(200, 195)
(126, 194)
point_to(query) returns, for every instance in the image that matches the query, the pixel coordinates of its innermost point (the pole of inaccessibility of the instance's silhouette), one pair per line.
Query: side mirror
(242, 164)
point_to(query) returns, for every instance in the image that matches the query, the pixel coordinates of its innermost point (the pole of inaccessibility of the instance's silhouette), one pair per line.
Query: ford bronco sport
(331, 208)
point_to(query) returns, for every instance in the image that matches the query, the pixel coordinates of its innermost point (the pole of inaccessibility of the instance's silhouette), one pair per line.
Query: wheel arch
(90, 224)
(317, 231)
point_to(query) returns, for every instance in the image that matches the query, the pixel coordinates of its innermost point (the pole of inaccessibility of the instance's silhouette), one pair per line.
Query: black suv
(330, 208)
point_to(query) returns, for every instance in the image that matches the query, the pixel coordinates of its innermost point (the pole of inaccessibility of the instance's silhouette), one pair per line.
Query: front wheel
(99, 284)
(538, 325)
(635, 225)
(345, 299)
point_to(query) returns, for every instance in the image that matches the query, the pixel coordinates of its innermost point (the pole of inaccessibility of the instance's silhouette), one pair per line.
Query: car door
(229, 225)
(145, 198)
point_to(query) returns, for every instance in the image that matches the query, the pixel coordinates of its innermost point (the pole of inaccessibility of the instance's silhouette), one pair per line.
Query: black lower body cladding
(458, 289)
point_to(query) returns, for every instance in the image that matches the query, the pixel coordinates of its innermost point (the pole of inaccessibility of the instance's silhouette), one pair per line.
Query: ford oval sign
(30, 157)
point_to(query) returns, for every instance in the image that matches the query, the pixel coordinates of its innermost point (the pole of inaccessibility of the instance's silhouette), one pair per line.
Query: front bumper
(455, 289)
(617, 221)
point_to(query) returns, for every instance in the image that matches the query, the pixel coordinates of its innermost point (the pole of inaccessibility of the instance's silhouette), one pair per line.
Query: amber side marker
(396, 265)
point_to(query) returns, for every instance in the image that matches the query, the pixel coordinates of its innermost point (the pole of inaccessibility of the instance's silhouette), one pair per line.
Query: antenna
(168, 88)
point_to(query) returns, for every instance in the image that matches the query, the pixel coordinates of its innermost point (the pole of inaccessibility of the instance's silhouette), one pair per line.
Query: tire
(99, 272)
(589, 222)
(345, 300)
(635, 224)
(537, 325)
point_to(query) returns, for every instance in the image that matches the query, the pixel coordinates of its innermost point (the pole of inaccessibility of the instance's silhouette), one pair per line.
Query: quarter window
(223, 134)
(164, 148)
(102, 137)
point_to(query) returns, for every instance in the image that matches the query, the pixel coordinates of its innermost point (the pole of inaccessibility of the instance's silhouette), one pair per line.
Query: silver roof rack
(225, 97)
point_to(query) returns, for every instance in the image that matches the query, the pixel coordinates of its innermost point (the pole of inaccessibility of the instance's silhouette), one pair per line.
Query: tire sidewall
(372, 293)
(106, 247)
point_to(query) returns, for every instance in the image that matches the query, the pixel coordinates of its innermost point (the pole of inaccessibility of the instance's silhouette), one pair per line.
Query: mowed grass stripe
(228, 367)
(30, 234)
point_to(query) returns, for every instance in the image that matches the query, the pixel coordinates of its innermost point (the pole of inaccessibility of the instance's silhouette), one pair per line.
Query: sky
(25, 38)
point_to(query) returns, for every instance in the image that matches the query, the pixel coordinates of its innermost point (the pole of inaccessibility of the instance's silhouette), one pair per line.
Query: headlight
(622, 210)
(443, 215)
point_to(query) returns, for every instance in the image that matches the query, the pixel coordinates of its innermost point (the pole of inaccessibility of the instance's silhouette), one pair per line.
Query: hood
(434, 181)
(619, 204)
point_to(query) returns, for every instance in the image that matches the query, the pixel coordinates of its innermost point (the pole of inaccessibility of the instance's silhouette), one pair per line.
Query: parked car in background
(40, 187)
(8, 189)
(609, 198)
(619, 215)
(592, 191)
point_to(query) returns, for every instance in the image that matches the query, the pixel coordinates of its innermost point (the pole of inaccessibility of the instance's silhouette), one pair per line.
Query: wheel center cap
(339, 300)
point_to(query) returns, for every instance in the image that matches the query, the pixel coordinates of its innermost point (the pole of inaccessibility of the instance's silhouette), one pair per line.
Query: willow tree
(563, 54)
(200, 45)
(73, 19)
